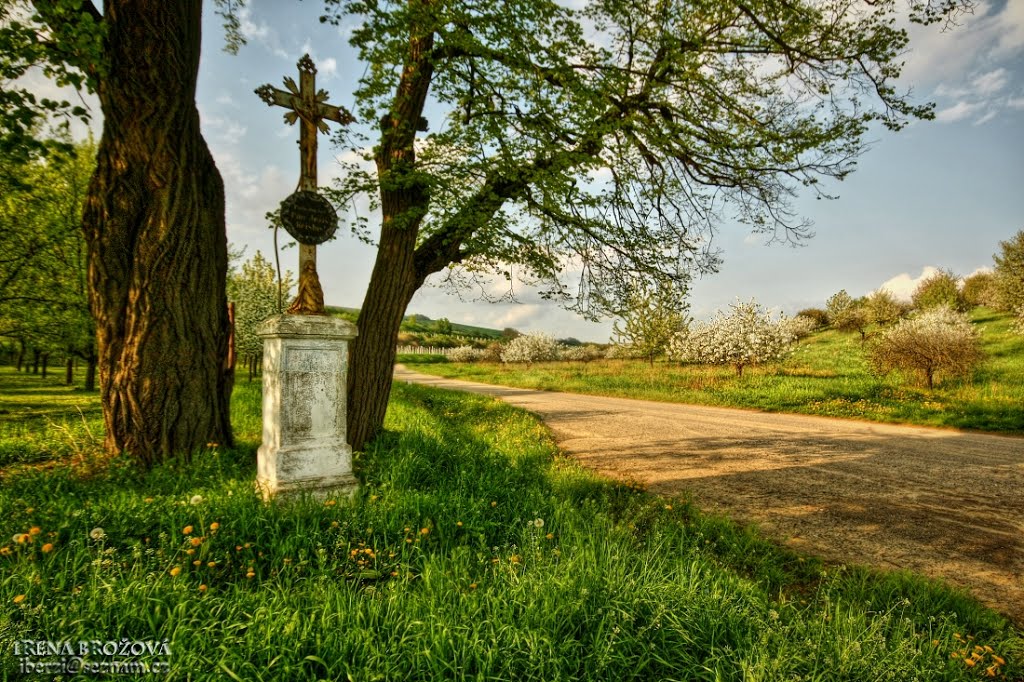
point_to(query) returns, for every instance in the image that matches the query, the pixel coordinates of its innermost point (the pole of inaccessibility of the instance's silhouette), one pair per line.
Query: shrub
(882, 308)
(837, 304)
(980, 289)
(465, 354)
(936, 340)
(938, 290)
(530, 348)
(747, 335)
(1009, 274)
(819, 316)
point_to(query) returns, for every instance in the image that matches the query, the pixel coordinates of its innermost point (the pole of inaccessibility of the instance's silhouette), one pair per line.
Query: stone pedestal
(305, 375)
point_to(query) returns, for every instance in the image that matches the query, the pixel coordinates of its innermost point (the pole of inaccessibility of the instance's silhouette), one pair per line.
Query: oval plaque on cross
(309, 217)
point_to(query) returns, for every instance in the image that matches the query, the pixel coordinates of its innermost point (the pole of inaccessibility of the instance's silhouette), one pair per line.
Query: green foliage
(44, 299)
(819, 316)
(1009, 274)
(617, 137)
(650, 320)
(828, 374)
(980, 289)
(847, 314)
(942, 289)
(257, 295)
(64, 38)
(882, 308)
(472, 551)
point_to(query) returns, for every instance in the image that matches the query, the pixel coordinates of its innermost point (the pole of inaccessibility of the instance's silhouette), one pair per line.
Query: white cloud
(991, 82)
(957, 112)
(902, 286)
(986, 118)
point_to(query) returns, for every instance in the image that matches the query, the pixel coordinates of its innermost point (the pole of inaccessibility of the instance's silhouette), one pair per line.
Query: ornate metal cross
(306, 206)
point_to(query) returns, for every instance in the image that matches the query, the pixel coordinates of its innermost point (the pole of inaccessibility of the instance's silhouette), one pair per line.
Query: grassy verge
(473, 551)
(827, 375)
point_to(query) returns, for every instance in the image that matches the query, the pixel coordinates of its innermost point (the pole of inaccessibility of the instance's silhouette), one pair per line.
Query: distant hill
(422, 324)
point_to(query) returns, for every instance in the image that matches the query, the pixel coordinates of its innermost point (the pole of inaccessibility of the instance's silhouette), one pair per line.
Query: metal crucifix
(307, 215)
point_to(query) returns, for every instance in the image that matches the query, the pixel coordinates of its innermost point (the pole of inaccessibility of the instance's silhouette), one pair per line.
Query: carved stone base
(305, 381)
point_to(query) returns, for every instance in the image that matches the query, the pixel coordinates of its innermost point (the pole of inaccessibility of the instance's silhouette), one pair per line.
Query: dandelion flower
(187, 530)
(196, 541)
(212, 564)
(472, 586)
(459, 524)
(334, 524)
(196, 499)
(35, 530)
(550, 536)
(969, 662)
(493, 503)
(197, 563)
(514, 558)
(668, 507)
(250, 575)
(148, 500)
(214, 526)
(176, 571)
(190, 551)
(97, 533)
(538, 523)
(203, 588)
(48, 547)
(20, 538)
(424, 531)
(18, 599)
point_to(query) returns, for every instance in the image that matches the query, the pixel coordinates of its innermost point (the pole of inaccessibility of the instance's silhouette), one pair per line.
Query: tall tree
(606, 144)
(650, 319)
(153, 218)
(257, 294)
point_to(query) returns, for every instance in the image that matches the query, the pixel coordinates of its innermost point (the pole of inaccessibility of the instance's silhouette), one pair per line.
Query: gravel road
(943, 503)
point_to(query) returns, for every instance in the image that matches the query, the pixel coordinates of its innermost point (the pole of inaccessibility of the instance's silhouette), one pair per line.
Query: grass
(472, 551)
(827, 375)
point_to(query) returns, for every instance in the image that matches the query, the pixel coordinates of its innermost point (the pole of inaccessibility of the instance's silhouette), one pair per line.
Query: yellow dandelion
(148, 500)
(989, 649)
(30, 510)
(212, 564)
(250, 575)
(991, 671)
(459, 524)
(176, 571)
(190, 552)
(35, 530)
(214, 526)
(494, 503)
(394, 574)
(21, 538)
(187, 530)
(197, 563)
(668, 506)
(472, 586)
(999, 660)
(969, 662)
(514, 558)
(550, 536)
(424, 531)
(18, 599)
(5, 550)
(48, 547)
(408, 540)
(196, 541)
(203, 588)
(334, 524)
(238, 548)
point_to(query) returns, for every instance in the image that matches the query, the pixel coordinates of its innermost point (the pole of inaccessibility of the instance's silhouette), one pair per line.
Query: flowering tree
(940, 289)
(847, 314)
(883, 309)
(937, 340)
(531, 348)
(254, 291)
(747, 335)
(466, 354)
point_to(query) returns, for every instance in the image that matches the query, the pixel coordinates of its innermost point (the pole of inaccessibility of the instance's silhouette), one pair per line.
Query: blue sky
(941, 193)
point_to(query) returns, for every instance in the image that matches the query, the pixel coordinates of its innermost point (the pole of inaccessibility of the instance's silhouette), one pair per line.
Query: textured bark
(154, 226)
(394, 279)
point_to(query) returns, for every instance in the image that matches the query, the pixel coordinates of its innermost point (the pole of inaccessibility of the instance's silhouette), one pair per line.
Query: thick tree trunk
(154, 226)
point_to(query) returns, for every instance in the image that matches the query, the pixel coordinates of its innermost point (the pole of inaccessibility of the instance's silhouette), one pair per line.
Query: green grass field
(472, 551)
(827, 375)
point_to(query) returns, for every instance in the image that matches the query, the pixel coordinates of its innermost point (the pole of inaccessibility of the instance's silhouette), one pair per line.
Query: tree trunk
(90, 374)
(45, 363)
(35, 361)
(69, 371)
(21, 354)
(395, 278)
(154, 226)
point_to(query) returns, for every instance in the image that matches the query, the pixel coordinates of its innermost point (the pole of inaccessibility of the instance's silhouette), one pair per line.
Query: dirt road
(942, 503)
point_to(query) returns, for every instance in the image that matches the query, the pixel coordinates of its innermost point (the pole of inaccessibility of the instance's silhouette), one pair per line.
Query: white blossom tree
(746, 335)
(254, 291)
(530, 348)
(936, 340)
(651, 318)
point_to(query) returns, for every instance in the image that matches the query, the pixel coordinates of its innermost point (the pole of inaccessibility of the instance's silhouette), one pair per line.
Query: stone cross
(309, 104)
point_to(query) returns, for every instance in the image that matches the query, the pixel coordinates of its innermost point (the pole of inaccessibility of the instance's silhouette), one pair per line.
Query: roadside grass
(827, 375)
(473, 550)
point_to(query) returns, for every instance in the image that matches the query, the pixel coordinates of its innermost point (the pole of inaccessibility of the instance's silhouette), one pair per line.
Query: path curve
(943, 503)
